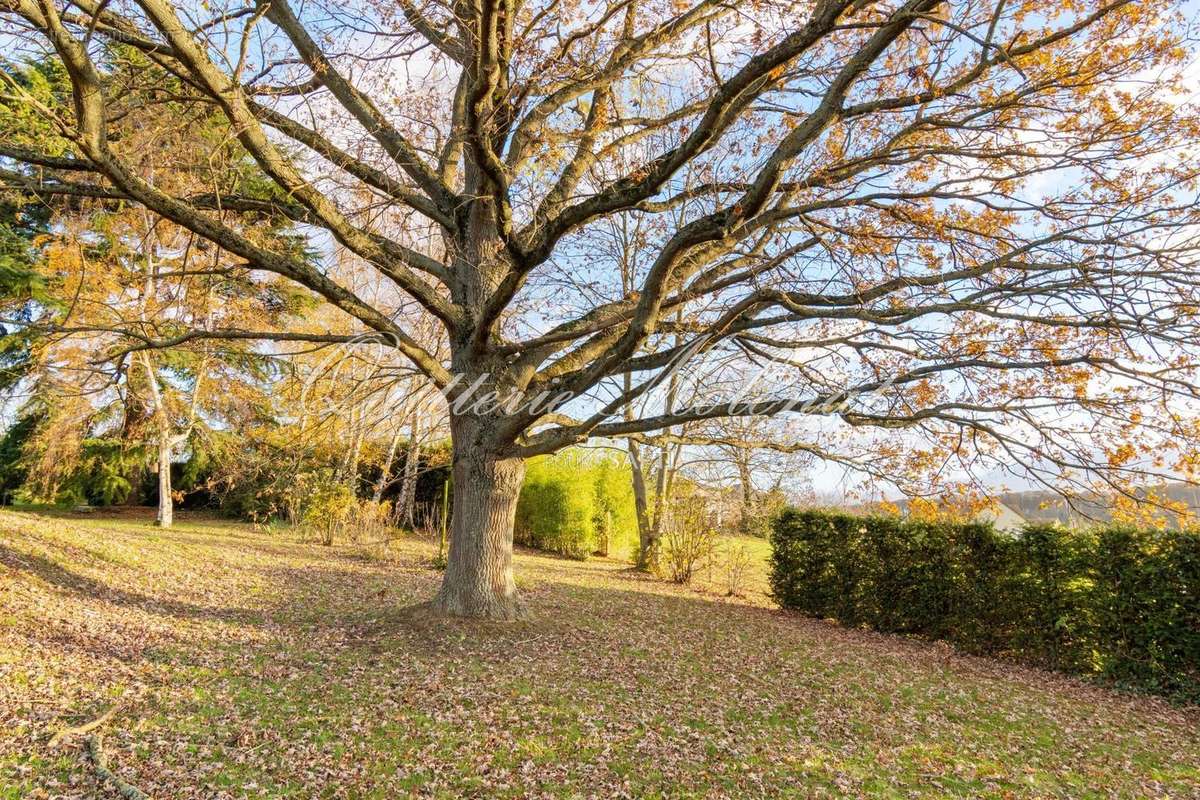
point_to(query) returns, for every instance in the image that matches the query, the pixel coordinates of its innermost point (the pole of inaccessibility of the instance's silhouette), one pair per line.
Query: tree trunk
(647, 539)
(746, 518)
(408, 483)
(661, 490)
(350, 475)
(385, 470)
(166, 507)
(652, 528)
(479, 575)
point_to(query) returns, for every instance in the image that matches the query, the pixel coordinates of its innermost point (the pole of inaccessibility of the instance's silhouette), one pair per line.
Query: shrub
(14, 467)
(614, 512)
(736, 562)
(688, 541)
(575, 503)
(328, 510)
(259, 475)
(69, 472)
(370, 521)
(557, 506)
(1146, 608)
(1115, 602)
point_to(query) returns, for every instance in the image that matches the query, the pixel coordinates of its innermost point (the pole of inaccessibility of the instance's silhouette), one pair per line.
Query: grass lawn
(246, 664)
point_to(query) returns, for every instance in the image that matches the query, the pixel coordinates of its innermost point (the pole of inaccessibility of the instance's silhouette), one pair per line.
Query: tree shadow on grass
(59, 576)
(624, 624)
(574, 606)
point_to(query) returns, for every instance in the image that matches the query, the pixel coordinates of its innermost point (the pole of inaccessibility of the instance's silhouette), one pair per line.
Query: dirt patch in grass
(244, 664)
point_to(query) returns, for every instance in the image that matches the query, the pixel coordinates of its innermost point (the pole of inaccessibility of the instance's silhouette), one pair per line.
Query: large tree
(982, 205)
(114, 277)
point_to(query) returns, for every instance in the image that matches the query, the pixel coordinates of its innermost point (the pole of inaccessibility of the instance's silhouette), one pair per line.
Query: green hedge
(1119, 603)
(576, 503)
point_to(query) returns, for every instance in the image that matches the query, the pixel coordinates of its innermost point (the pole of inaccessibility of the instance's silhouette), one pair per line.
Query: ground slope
(246, 664)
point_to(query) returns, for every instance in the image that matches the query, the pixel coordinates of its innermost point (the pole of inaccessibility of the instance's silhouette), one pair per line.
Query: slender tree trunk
(166, 511)
(647, 552)
(166, 506)
(350, 465)
(479, 575)
(745, 520)
(651, 540)
(662, 485)
(647, 541)
(408, 484)
(385, 472)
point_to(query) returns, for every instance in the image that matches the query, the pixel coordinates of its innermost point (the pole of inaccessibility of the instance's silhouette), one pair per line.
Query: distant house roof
(1012, 510)
(1047, 506)
(1002, 517)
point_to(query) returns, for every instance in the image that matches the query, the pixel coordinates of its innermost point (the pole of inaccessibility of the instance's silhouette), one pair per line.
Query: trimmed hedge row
(1117, 602)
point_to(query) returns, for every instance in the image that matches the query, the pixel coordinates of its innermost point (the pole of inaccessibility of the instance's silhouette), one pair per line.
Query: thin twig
(86, 728)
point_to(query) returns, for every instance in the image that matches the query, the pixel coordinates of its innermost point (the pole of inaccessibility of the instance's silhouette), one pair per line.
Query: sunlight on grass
(250, 664)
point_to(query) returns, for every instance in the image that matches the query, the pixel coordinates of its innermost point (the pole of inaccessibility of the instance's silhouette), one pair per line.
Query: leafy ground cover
(242, 663)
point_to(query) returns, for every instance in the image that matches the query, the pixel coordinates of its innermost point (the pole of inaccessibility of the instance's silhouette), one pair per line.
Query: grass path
(248, 665)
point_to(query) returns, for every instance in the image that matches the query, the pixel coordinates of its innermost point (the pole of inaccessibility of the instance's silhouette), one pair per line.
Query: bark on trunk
(166, 506)
(745, 520)
(479, 575)
(647, 540)
(651, 527)
(385, 470)
(350, 467)
(408, 484)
